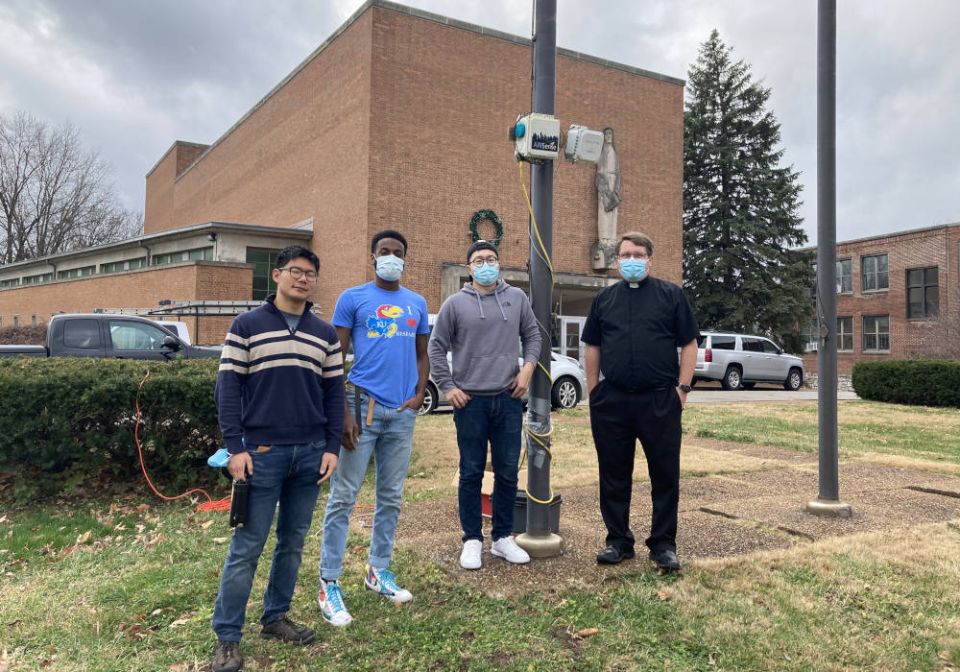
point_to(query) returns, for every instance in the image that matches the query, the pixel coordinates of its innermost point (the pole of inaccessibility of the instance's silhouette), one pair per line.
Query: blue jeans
(286, 474)
(499, 420)
(389, 440)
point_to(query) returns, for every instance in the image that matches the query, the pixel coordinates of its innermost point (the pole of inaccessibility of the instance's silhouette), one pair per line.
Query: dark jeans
(286, 475)
(497, 419)
(619, 418)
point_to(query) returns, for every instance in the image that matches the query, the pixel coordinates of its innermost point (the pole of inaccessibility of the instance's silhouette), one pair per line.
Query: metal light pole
(538, 540)
(828, 502)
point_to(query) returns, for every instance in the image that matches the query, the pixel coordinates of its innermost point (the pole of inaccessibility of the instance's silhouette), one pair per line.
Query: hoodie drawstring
(480, 306)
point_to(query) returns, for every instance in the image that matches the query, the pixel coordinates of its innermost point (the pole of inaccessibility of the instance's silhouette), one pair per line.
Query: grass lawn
(130, 585)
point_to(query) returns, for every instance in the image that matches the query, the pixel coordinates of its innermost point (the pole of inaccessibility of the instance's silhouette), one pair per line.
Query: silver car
(741, 361)
(569, 385)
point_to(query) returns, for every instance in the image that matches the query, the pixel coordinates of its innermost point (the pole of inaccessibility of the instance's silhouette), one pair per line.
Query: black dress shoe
(612, 555)
(666, 560)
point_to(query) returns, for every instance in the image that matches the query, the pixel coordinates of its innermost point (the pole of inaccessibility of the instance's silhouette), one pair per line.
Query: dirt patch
(735, 500)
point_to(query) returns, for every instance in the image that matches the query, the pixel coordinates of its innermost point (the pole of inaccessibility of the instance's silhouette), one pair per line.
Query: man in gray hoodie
(481, 325)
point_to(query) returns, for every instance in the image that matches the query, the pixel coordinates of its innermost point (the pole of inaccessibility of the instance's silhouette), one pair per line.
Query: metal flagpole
(828, 502)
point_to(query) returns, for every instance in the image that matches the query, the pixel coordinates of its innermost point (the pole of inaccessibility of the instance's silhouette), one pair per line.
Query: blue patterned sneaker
(384, 582)
(332, 608)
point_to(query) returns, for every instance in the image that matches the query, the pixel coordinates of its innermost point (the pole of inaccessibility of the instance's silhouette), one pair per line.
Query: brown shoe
(287, 631)
(227, 657)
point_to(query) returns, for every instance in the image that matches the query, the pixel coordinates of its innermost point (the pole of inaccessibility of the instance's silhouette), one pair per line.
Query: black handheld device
(238, 503)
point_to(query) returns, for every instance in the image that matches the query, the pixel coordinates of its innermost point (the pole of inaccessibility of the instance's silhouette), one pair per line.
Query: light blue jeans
(389, 440)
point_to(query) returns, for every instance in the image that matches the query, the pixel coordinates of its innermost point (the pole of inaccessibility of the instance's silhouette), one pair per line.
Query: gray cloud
(134, 75)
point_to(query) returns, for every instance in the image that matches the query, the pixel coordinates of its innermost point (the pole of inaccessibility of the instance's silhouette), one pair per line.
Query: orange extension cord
(209, 505)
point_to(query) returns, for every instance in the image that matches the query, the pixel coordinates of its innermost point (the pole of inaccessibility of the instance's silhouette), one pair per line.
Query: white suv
(740, 361)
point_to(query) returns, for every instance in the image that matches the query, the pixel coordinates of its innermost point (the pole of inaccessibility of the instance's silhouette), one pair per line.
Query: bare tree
(55, 195)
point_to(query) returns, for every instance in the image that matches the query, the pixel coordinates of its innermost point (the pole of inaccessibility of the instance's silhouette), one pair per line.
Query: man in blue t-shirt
(388, 328)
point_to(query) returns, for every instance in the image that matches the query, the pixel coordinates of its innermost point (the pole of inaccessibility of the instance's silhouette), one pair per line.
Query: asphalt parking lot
(712, 393)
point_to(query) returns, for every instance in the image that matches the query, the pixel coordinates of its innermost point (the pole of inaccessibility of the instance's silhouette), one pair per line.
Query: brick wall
(443, 98)
(135, 289)
(916, 338)
(401, 122)
(300, 154)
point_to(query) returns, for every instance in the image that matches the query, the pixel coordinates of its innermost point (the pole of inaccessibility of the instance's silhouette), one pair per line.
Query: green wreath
(481, 215)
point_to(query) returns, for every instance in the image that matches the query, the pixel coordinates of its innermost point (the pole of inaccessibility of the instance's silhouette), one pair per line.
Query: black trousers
(619, 418)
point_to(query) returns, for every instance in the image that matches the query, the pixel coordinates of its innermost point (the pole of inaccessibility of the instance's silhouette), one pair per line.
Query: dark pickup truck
(108, 336)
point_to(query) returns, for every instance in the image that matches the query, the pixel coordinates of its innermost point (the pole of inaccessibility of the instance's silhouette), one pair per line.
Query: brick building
(898, 297)
(399, 120)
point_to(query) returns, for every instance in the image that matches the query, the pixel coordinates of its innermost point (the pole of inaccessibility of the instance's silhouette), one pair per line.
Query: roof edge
(894, 234)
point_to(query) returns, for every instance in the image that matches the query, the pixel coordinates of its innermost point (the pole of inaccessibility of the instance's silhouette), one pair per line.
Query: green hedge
(920, 383)
(67, 424)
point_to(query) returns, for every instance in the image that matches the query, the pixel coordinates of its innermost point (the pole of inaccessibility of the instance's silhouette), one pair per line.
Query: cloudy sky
(134, 75)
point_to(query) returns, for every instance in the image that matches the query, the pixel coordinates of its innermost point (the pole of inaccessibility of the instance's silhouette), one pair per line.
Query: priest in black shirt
(632, 335)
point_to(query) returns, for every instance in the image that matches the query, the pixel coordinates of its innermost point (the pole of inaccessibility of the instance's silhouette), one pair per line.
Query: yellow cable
(536, 229)
(537, 438)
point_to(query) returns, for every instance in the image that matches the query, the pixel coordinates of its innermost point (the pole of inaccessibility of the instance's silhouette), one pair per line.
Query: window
(751, 344)
(845, 334)
(12, 282)
(769, 348)
(876, 333)
(76, 273)
(874, 270)
(38, 279)
(845, 276)
(81, 334)
(136, 336)
(923, 292)
(120, 266)
(723, 342)
(198, 254)
(263, 263)
(812, 337)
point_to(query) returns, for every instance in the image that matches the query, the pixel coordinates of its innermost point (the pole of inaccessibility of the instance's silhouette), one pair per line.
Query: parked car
(741, 361)
(108, 336)
(569, 385)
(569, 382)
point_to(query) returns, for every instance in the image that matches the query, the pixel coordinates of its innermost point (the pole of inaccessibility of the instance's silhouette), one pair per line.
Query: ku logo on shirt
(386, 322)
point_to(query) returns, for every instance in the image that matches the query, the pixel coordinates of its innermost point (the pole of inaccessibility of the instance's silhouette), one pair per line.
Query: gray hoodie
(482, 331)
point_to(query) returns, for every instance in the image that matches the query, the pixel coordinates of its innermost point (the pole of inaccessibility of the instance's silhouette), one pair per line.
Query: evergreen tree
(740, 207)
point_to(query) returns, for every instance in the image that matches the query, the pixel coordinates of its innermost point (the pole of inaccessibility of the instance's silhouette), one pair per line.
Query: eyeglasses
(298, 273)
(478, 262)
(623, 256)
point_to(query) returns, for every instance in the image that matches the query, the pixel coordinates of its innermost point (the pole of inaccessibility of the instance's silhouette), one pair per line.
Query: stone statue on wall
(607, 181)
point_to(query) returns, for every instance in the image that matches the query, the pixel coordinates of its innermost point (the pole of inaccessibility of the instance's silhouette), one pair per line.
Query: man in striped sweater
(280, 397)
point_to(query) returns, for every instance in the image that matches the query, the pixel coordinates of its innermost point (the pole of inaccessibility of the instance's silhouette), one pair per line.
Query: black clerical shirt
(638, 330)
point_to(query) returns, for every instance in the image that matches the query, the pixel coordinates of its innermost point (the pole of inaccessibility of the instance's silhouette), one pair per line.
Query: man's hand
(328, 465)
(457, 397)
(240, 466)
(521, 382)
(351, 432)
(683, 397)
(413, 403)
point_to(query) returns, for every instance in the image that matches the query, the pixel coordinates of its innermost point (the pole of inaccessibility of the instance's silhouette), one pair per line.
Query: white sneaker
(470, 557)
(332, 608)
(507, 549)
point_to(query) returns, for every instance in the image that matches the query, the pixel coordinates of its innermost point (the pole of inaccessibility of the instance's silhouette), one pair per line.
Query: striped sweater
(280, 386)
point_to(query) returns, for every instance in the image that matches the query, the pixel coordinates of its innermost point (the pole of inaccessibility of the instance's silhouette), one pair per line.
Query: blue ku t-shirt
(384, 327)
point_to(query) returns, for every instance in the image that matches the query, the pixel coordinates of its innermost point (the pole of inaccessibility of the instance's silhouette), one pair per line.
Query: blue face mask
(633, 270)
(487, 274)
(389, 267)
